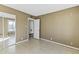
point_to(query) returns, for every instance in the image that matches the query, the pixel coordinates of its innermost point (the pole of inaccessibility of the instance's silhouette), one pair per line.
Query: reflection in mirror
(11, 25)
(7, 30)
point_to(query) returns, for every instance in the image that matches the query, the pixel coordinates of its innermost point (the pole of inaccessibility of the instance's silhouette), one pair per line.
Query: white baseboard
(61, 44)
(21, 41)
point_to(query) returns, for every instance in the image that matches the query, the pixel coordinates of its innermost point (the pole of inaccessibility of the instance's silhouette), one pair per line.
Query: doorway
(34, 28)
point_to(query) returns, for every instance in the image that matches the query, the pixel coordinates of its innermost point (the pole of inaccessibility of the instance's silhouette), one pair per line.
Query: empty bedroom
(39, 29)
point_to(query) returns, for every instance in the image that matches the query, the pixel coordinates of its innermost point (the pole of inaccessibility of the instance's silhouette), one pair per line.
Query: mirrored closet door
(7, 30)
(1, 33)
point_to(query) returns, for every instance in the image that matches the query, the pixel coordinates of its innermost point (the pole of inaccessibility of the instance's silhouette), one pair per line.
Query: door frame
(28, 26)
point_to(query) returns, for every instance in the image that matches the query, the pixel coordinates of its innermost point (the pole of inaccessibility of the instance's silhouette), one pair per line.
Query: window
(11, 25)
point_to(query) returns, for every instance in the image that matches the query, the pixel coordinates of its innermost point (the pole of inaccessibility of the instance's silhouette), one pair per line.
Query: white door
(36, 28)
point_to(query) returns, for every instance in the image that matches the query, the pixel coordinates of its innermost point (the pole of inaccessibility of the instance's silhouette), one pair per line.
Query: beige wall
(62, 26)
(1, 28)
(21, 21)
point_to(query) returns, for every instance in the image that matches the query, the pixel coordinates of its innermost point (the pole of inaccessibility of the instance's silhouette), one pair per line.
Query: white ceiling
(39, 9)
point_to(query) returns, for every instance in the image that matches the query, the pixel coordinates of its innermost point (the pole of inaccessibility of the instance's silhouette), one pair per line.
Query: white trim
(21, 41)
(15, 29)
(60, 44)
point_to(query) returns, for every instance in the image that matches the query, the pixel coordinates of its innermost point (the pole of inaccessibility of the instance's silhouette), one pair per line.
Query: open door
(36, 28)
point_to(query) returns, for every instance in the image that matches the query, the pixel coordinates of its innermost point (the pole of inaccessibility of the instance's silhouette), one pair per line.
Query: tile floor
(35, 46)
